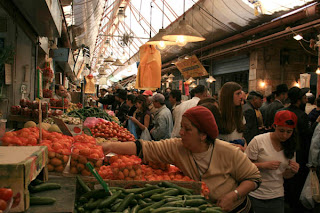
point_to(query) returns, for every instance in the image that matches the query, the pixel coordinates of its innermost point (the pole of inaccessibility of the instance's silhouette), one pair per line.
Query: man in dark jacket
(294, 186)
(123, 109)
(281, 95)
(254, 102)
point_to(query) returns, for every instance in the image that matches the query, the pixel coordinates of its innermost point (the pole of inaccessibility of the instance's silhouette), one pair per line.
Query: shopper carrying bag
(145, 135)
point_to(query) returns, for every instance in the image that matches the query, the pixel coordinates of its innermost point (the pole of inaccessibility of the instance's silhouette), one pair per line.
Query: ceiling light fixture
(190, 80)
(109, 59)
(117, 63)
(210, 79)
(298, 37)
(171, 76)
(165, 76)
(318, 70)
(193, 85)
(184, 33)
(121, 14)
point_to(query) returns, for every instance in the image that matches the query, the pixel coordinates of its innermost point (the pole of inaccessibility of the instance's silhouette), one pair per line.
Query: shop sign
(191, 67)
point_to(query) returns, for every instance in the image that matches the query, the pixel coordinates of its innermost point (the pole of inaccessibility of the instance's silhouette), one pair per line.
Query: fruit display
(15, 110)
(158, 198)
(72, 107)
(83, 153)
(23, 137)
(24, 103)
(5, 198)
(159, 165)
(112, 130)
(126, 167)
(86, 112)
(59, 150)
(83, 138)
(31, 109)
(47, 93)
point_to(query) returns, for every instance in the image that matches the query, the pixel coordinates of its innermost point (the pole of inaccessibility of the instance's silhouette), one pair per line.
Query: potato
(50, 168)
(73, 163)
(85, 173)
(73, 170)
(60, 156)
(74, 156)
(80, 167)
(65, 158)
(59, 168)
(121, 175)
(51, 154)
(126, 172)
(82, 160)
(132, 173)
(99, 163)
(55, 162)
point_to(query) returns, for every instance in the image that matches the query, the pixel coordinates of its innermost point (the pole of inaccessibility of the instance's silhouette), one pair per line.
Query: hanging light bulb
(171, 76)
(193, 85)
(121, 14)
(181, 41)
(318, 71)
(109, 59)
(262, 84)
(169, 80)
(161, 45)
(165, 76)
(190, 80)
(159, 42)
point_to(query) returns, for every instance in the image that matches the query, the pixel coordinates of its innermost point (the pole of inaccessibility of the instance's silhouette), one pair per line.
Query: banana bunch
(72, 107)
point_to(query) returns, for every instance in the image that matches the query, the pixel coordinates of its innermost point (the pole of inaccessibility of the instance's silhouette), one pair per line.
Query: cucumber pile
(161, 198)
(39, 186)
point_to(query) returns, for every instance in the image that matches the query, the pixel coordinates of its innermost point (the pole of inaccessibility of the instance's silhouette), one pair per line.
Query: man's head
(135, 92)
(60, 90)
(168, 90)
(158, 100)
(270, 98)
(311, 98)
(200, 91)
(255, 98)
(175, 96)
(298, 97)
(281, 92)
(122, 95)
(78, 88)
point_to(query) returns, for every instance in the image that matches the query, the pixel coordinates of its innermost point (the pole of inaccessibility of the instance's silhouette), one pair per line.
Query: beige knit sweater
(228, 168)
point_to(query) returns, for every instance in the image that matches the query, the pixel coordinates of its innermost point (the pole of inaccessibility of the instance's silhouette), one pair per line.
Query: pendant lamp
(102, 71)
(107, 67)
(171, 76)
(190, 80)
(193, 85)
(159, 42)
(211, 79)
(117, 63)
(184, 33)
(109, 59)
(165, 76)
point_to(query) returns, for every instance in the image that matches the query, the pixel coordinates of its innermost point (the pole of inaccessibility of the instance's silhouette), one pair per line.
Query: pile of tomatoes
(23, 137)
(111, 130)
(126, 167)
(83, 138)
(83, 153)
(5, 197)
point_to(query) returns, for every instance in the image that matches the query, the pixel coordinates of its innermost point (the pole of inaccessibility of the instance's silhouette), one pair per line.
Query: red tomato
(5, 194)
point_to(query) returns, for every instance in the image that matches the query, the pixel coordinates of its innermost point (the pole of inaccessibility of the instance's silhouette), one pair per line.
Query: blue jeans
(275, 205)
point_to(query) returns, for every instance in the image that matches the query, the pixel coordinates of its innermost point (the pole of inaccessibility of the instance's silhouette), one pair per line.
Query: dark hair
(176, 94)
(199, 89)
(143, 100)
(231, 115)
(131, 98)
(289, 146)
(57, 87)
(318, 102)
(215, 112)
(270, 97)
(104, 90)
(280, 89)
(207, 100)
(311, 99)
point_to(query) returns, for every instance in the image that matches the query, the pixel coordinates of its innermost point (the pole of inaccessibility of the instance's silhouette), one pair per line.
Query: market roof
(118, 28)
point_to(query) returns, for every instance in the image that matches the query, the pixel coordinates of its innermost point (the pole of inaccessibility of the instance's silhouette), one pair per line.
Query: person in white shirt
(274, 155)
(199, 92)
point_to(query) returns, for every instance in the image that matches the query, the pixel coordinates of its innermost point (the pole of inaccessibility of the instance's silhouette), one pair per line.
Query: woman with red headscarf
(226, 170)
(274, 154)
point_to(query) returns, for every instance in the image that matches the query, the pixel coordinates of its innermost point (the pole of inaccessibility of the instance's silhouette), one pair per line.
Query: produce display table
(17, 121)
(65, 197)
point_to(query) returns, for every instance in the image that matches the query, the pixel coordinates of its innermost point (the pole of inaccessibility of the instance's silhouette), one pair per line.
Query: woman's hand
(272, 165)
(294, 166)
(227, 201)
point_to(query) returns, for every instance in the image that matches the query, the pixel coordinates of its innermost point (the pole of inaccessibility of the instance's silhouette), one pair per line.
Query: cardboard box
(19, 165)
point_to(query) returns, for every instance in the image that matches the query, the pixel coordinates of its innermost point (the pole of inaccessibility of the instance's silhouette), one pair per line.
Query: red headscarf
(203, 119)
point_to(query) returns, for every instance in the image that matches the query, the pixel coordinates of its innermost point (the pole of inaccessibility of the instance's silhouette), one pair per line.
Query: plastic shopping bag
(92, 121)
(132, 128)
(315, 187)
(306, 193)
(145, 135)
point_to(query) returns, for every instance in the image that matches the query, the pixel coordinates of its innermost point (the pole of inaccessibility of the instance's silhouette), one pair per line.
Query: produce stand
(15, 121)
(65, 197)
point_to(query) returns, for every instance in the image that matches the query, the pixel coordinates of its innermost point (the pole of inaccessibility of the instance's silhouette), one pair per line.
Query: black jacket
(313, 115)
(252, 127)
(122, 112)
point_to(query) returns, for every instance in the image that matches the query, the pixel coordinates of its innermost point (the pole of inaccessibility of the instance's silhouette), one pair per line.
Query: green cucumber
(172, 185)
(147, 200)
(44, 187)
(134, 190)
(115, 206)
(125, 203)
(83, 200)
(145, 205)
(41, 200)
(98, 193)
(195, 202)
(82, 184)
(93, 205)
(179, 203)
(153, 206)
(191, 197)
(178, 209)
(185, 210)
(151, 192)
(135, 209)
(170, 192)
(108, 201)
